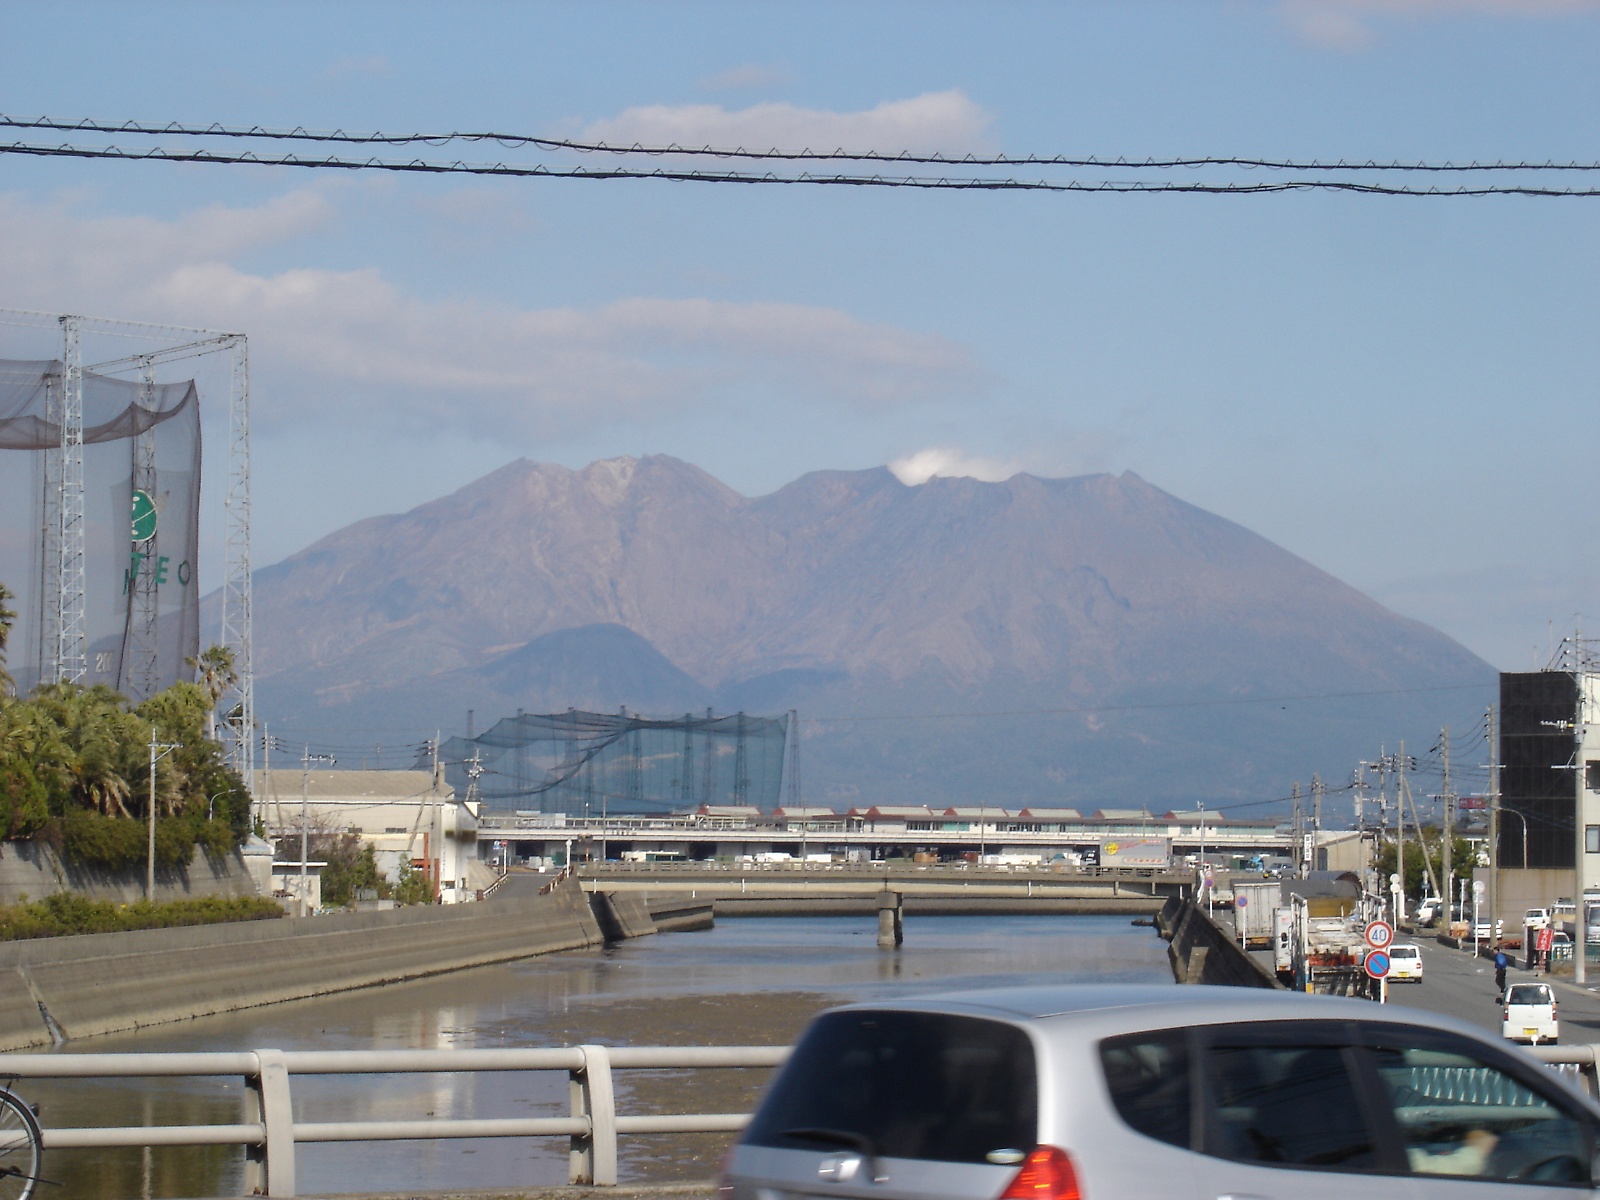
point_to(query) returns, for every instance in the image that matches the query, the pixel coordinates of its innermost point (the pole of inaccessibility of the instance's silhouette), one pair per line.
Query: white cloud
(352, 344)
(1354, 24)
(949, 462)
(747, 77)
(935, 121)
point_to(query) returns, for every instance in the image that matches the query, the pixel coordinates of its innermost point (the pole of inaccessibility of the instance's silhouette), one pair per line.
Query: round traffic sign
(1379, 934)
(1241, 901)
(1377, 963)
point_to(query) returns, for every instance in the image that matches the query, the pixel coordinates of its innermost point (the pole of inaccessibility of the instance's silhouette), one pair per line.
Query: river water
(749, 981)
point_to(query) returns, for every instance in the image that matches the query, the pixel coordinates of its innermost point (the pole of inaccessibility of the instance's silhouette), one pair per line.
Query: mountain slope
(1137, 637)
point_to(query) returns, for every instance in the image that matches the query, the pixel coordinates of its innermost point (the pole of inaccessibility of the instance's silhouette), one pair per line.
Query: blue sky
(1403, 391)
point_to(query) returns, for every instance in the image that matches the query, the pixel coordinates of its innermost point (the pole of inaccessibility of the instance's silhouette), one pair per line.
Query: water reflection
(750, 980)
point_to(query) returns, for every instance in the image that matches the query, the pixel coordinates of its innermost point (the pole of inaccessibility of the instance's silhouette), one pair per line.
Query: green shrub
(71, 912)
(117, 843)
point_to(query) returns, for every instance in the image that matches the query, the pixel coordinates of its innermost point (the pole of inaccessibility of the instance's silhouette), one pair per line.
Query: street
(1456, 984)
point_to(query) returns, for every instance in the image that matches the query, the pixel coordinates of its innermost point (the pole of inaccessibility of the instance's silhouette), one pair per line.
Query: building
(403, 815)
(1546, 830)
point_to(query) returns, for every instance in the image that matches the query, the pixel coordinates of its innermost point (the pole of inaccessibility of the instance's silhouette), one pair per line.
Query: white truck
(1255, 908)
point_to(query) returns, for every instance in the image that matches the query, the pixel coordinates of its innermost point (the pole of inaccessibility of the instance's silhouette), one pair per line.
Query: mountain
(1087, 641)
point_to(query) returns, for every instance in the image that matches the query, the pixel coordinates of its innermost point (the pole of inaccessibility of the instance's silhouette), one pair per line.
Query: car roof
(1150, 1006)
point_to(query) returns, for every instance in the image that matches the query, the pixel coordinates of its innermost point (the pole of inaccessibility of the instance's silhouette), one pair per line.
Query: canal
(752, 980)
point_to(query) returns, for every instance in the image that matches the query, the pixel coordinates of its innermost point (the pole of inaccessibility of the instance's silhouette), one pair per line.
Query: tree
(215, 673)
(8, 617)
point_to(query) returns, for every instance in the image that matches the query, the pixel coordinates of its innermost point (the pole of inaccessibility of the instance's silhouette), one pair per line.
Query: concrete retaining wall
(101, 983)
(32, 871)
(1201, 951)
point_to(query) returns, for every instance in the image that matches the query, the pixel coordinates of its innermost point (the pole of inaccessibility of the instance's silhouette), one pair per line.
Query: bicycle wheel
(21, 1148)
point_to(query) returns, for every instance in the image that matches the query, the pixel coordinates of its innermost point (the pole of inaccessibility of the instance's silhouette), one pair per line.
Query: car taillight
(1046, 1174)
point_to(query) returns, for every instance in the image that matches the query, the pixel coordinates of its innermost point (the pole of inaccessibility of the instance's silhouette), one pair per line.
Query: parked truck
(1255, 909)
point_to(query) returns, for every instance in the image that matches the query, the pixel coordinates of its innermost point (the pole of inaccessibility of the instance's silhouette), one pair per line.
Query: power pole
(1494, 831)
(1316, 816)
(305, 823)
(1449, 829)
(1299, 832)
(165, 748)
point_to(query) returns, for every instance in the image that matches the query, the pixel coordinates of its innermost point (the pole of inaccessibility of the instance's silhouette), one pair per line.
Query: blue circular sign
(1241, 902)
(1377, 963)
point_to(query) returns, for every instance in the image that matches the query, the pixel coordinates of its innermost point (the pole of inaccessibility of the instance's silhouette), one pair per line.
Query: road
(1456, 984)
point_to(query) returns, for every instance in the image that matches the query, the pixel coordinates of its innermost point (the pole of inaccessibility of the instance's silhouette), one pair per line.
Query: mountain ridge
(853, 592)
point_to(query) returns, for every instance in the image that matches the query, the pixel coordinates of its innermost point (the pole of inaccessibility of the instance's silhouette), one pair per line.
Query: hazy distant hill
(1077, 641)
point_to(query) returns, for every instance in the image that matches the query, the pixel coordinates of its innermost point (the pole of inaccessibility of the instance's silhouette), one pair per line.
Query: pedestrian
(1501, 961)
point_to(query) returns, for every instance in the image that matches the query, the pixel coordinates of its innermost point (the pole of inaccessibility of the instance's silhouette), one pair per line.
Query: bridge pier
(891, 919)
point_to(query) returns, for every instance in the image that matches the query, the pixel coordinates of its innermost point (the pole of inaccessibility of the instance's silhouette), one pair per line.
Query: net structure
(594, 764)
(140, 524)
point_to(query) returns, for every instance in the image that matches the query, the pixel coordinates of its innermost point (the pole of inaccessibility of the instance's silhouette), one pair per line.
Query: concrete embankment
(1201, 951)
(99, 983)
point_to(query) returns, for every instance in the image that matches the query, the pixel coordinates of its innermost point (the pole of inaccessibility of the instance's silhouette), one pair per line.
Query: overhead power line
(511, 140)
(923, 183)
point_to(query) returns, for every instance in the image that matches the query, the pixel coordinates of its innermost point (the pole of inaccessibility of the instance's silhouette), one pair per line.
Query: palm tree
(215, 673)
(8, 616)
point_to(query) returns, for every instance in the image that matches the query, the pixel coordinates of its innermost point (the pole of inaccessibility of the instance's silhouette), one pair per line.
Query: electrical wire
(517, 140)
(914, 182)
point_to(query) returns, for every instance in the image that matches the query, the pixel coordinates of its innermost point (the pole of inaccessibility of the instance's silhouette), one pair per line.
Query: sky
(1402, 390)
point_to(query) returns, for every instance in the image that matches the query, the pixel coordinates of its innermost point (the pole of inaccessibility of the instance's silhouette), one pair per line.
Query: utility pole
(1449, 801)
(164, 748)
(305, 822)
(1494, 831)
(1299, 831)
(1316, 816)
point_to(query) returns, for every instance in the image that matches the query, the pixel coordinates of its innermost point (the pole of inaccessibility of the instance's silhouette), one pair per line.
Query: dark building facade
(1537, 752)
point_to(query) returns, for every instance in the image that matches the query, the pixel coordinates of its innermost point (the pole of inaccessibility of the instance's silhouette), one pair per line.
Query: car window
(1463, 1116)
(1529, 993)
(1403, 952)
(1148, 1076)
(905, 1085)
(1277, 1099)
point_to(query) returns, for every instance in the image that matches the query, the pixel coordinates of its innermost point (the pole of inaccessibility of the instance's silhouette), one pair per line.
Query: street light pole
(305, 812)
(165, 749)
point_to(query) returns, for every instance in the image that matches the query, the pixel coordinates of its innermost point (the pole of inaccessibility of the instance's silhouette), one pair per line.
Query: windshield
(904, 1085)
(1528, 993)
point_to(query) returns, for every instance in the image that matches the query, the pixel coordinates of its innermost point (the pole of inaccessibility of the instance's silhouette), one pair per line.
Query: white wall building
(404, 815)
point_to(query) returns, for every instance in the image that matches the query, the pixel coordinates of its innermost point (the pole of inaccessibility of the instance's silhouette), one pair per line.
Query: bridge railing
(270, 1134)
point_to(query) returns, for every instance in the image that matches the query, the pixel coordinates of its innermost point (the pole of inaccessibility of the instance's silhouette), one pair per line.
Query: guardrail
(269, 1132)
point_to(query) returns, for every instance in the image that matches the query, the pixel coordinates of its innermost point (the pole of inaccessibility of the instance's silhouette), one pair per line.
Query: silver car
(1115, 1093)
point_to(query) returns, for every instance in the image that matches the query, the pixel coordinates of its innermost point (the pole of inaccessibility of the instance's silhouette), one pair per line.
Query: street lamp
(305, 810)
(164, 748)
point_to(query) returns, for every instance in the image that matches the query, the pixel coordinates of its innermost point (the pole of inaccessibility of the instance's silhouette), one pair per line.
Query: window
(1462, 1116)
(1276, 1102)
(1591, 775)
(907, 1084)
(1148, 1075)
(1591, 839)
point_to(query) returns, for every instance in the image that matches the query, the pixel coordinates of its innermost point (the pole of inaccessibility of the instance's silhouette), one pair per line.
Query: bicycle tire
(21, 1147)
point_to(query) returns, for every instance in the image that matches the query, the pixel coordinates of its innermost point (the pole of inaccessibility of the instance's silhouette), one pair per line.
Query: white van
(1405, 962)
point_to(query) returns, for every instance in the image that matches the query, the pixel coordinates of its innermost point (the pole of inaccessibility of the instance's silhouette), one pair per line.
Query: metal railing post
(592, 1158)
(269, 1168)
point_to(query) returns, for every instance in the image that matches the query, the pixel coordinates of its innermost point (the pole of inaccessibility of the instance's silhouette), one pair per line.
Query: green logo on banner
(144, 516)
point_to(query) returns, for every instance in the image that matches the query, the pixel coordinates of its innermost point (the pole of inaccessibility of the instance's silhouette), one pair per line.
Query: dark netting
(141, 474)
(585, 763)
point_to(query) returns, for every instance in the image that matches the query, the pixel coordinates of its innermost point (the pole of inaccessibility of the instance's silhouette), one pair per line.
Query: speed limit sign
(1379, 935)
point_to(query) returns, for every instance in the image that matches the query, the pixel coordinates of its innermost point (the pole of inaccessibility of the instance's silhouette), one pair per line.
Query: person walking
(1502, 960)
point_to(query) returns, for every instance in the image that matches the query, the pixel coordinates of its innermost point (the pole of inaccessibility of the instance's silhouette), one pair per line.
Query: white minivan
(1405, 963)
(1529, 1014)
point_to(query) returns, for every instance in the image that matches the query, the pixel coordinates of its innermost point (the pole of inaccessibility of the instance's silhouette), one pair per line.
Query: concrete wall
(32, 871)
(1201, 951)
(105, 982)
